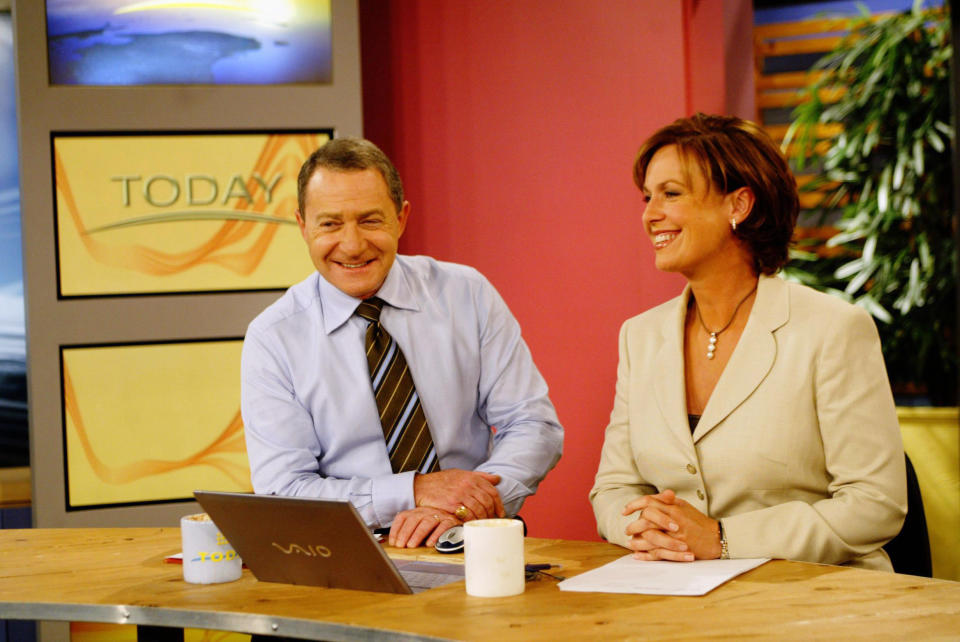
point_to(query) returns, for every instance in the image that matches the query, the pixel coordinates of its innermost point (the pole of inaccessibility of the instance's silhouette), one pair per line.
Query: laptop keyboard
(427, 575)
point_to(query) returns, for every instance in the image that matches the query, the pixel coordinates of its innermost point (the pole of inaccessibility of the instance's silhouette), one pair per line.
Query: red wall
(514, 126)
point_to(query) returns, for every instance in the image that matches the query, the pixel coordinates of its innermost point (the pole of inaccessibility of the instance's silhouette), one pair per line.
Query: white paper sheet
(628, 575)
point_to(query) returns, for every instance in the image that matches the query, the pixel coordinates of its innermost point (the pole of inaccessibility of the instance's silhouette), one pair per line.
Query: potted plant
(874, 135)
(886, 181)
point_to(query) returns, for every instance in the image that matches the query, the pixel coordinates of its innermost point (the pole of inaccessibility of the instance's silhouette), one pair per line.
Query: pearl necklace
(712, 344)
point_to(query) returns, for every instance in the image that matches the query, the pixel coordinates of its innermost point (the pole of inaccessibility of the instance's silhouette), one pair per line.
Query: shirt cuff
(512, 494)
(392, 494)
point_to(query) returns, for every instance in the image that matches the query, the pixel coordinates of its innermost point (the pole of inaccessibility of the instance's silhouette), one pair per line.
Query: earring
(733, 224)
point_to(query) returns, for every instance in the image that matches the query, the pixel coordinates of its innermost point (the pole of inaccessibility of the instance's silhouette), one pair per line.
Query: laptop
(317, 542)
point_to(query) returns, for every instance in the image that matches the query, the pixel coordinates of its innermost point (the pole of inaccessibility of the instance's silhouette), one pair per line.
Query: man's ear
(302, 224)
(402, 217)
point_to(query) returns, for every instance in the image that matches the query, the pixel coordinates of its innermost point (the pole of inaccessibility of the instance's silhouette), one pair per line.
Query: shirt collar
(337, 307)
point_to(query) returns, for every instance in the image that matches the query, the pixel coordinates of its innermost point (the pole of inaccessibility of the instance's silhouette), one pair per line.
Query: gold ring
(436, 517)
(462, 513)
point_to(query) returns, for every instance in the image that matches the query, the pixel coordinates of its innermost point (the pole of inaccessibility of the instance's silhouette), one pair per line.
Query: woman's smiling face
(687, 220)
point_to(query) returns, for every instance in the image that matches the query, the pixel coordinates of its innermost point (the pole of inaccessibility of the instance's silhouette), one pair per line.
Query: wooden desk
(118, 575)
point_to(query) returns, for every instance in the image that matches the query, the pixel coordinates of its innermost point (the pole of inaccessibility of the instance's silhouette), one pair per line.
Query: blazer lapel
(669, 389)
(753, 357)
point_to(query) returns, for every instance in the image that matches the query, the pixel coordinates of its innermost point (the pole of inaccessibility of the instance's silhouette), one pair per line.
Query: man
(317, 425)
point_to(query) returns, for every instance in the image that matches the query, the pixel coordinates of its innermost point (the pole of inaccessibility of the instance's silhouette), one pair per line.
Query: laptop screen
(316, 542)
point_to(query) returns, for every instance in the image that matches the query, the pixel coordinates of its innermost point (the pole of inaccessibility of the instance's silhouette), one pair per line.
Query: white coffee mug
(493, 556)
(207, 555)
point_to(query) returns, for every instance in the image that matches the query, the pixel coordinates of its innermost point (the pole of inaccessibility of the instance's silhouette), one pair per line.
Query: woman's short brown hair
(733, 153)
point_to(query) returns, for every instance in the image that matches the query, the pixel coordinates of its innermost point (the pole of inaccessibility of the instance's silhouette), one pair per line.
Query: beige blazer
(798, 451)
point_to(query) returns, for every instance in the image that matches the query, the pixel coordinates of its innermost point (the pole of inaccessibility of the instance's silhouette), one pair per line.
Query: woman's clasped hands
(669, 528)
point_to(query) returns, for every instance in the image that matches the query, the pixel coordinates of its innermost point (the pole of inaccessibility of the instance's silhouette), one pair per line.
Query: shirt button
(699, 493)
(691, 469)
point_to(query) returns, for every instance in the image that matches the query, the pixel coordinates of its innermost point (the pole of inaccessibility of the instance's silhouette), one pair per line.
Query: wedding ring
(462, 513)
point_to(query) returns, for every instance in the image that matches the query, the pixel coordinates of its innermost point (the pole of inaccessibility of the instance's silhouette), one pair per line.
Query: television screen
(176, 212)
(169, 425)
(13, 338)
(173, 42)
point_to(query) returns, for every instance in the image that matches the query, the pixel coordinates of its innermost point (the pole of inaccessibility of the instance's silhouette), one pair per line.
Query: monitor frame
(53, 322)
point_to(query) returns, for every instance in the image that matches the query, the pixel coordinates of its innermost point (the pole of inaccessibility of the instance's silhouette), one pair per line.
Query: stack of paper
(629, 575)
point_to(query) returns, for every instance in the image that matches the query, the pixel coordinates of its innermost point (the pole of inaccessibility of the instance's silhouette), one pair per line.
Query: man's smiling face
(352, 228)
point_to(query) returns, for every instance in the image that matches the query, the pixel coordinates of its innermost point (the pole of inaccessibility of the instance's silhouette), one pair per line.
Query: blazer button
(691, 469)
(700, 493)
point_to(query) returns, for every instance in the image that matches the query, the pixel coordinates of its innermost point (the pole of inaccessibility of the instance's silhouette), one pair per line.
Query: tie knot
(370, 309)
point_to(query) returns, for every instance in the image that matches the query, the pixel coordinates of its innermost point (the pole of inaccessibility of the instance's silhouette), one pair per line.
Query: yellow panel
(179, 212)
(99, 632)
(931, 437)
(153, 422)
(15, 487)
(102, 632)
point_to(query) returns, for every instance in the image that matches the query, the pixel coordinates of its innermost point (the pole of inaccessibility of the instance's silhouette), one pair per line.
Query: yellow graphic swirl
(220, 248)
(230, 440)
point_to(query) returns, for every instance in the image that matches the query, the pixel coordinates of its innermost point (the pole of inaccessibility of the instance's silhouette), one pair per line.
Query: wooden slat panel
(785, 89)
(787, 80)
(818, 233)
(820, 148)
(793, 98)
(813, 26)
(804, 179)
(800, 46)
(800, 28)
(812, 200)
(809, 200)
(779, 99)
(777, 132)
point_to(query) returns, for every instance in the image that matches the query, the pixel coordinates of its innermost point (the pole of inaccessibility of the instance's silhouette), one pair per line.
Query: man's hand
(669, 528)
(450, 489)
(410, 527)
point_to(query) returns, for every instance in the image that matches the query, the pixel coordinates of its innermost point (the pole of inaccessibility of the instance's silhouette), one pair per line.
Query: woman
(752, 417)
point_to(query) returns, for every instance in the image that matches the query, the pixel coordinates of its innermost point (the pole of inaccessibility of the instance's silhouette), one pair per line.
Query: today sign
(180, 211)
(162, 190)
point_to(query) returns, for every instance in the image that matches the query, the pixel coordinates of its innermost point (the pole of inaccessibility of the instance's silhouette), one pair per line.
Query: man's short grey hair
(350, 155)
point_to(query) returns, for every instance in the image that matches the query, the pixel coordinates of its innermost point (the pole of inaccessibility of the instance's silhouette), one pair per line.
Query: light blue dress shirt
(309, 413)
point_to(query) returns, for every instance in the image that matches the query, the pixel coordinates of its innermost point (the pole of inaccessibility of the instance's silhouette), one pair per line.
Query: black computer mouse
(451, 541)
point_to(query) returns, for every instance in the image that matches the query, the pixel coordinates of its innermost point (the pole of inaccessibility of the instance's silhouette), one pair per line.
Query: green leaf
(869, 247)
(946, 129)
(883, 191)
(865, 194)
(886, 185)
(935, 141)
(797, 254)
(861, 277)
(870, 141)
(876, 310)
(847, 270)
(838, 293)
(926, 258)
(844, 237)
(898, 170)
(913, 293)
(918, 156)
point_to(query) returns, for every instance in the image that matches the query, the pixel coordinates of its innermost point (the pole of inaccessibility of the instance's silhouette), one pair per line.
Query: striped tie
(404, 425)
